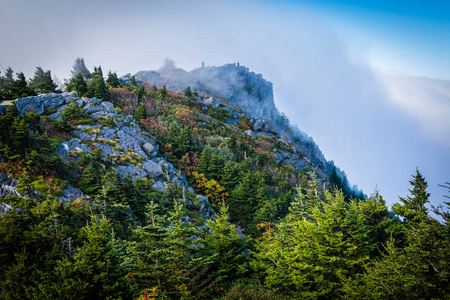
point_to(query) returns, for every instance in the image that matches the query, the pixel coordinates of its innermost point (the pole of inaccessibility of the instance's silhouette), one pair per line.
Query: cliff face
(253, 95)
(246, 90)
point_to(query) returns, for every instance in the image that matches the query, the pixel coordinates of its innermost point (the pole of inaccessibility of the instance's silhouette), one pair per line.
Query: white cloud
(425, 99)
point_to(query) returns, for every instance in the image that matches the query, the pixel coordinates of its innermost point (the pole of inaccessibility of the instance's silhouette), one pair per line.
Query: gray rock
(106, 149)
(70, 96)
(72, 145)
(30, 104)
(150, 149)
(100, 114)
(93, 107)
(134, 171)
(126, 141)
(250, 133)
(214, 102)
(260, 125)
(158, 185)
(52, 101)
(4, 208)
(62, 108)
(108, 107)
(107, 133)
(152, 168)
(56, 116)
(72, 193)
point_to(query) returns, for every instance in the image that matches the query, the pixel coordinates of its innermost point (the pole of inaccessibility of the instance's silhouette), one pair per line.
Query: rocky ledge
(134, 151)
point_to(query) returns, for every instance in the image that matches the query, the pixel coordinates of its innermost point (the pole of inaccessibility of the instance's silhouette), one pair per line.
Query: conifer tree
(80, 68)
(78, 84)
(112, 79)
(42, 82)
(97, 87)
(230, 176)
(141, 112)
(226, 248)
(20, 88)
(413, 206)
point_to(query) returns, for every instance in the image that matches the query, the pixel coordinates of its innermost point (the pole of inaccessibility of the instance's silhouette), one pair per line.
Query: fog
(377, 127)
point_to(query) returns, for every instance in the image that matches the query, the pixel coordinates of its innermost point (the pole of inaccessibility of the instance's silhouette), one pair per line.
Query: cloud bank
(377, 127)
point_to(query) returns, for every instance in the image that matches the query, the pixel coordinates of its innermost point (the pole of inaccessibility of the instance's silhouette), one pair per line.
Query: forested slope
(122, 190)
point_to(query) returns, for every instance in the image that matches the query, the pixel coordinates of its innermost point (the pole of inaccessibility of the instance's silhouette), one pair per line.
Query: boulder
(4, 208)
(72, 193)
(158, 185)
(260, 125)
(72, 145)
(134, 171)
(214, 102)
(150, 149)
(153, 169)
(250, 133)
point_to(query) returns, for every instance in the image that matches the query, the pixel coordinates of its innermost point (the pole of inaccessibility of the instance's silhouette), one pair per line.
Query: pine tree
(78, 84)
(6, 83)
(141, 113)
(20, 88)
(314, 259)
(230, 176)
(413, 207)
(42, 82)
(80, 68)
(227, 251)
(97, 87)
(243, 200)
(112, 80)
(187, 92)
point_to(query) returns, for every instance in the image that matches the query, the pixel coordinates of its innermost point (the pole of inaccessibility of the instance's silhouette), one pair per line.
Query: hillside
(191, 185)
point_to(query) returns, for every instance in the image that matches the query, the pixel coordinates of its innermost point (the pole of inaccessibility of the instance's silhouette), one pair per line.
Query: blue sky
(368, 80)
(411, 36)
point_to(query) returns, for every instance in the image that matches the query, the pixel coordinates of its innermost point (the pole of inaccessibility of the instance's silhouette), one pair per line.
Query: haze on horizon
(330, 63)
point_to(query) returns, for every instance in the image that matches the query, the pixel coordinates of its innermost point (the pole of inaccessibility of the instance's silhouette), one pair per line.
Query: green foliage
(78, 83)
(413, 208)
(226, 248)
(97, 88)
(19, 88)
(112, 80)
(42, 82)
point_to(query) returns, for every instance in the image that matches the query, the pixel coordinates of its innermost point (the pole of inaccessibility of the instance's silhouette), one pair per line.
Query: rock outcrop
(134, 151)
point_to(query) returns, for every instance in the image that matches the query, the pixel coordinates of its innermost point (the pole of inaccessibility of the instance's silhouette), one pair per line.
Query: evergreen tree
(78, 84)
(94, 272)
(230, 176)
(80, 68)
(227, 251)
(413, 206)
(97, 87)
(42, 82)
(187, 92)
(141, 112)
(6, 83)
(20, 88)
(314, 260)
(243, 201)
(112, 80)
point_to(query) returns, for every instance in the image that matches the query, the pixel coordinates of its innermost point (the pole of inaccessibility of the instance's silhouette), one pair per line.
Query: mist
(373, 125)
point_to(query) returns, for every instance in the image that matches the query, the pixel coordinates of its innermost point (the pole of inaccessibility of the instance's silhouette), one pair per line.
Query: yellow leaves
(212, 189)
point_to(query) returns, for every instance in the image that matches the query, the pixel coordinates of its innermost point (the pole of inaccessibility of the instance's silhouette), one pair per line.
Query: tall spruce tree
(42, 82)
(413, 206)
(80, 68)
